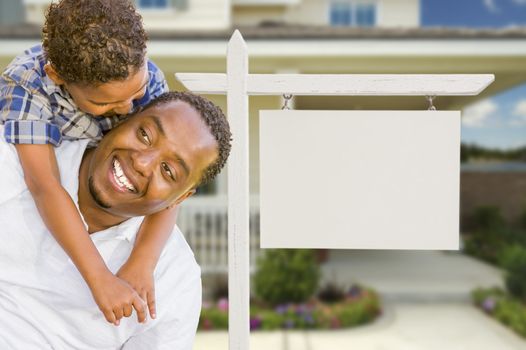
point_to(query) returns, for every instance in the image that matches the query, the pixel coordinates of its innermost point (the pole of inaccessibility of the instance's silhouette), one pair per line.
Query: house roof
(279, 31)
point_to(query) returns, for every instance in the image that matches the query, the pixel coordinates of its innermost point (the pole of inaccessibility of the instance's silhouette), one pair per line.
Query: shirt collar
(125, 231)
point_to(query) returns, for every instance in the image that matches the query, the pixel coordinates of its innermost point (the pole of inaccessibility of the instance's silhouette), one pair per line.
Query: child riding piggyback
(90, 72)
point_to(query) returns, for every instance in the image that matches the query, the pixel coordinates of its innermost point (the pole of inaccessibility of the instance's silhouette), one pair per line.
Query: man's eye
(168, 171)
(144, 136)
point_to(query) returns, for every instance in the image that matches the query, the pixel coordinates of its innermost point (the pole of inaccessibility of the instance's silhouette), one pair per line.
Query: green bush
(359, 306)
(486, 239)
(503, 307)
(487, 218)
(513, 260)
(491, 236)
(286, 275)
(331, 293)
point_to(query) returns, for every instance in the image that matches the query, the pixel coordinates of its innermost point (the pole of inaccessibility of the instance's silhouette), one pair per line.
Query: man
(44, 303)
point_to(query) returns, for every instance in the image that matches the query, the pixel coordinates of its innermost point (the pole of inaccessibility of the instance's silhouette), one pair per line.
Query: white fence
(204, 222)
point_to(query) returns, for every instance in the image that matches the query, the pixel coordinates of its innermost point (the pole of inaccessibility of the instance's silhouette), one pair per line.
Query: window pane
(365, 15)
(145, 3)
(153, 3)
(340, 14)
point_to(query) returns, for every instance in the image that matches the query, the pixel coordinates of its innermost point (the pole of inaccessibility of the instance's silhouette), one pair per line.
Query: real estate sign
(359, 179)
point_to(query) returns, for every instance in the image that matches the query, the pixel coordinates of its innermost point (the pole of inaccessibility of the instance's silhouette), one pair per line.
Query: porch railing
(204, 223)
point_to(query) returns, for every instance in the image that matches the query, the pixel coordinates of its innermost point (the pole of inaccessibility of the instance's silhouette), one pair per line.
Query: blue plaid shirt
(35, 110)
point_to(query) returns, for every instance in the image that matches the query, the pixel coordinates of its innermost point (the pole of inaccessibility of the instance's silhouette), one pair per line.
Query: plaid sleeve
(27, 116)
(156, 86)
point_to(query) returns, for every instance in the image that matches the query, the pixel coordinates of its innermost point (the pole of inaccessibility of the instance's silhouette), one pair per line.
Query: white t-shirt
(45, 303)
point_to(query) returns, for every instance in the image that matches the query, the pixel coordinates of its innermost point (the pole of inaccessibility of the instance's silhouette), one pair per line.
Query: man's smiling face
(153, 160)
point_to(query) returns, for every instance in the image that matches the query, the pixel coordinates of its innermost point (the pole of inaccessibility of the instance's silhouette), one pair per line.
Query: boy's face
(152, 160)
(111, 98)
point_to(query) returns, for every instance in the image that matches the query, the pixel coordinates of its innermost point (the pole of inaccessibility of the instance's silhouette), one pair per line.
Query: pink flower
(207, 324)
(222, 304)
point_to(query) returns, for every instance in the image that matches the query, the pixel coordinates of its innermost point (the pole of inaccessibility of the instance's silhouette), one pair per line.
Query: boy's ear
(52, 74)
(182, 198)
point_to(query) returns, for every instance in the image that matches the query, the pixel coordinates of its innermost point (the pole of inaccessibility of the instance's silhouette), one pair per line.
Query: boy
(89, 72)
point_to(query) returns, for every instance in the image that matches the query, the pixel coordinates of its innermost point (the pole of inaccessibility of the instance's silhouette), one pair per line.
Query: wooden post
(238, 195)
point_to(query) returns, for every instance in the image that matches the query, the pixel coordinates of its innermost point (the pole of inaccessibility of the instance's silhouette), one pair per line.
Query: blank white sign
(360, 179)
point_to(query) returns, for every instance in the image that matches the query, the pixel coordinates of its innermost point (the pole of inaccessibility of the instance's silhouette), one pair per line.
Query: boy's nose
(124, 107)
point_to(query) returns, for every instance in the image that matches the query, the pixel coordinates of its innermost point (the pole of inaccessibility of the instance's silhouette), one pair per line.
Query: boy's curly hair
(94, 41)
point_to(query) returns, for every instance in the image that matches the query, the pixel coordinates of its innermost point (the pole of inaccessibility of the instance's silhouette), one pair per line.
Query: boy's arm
(62, 218)
(138, 270)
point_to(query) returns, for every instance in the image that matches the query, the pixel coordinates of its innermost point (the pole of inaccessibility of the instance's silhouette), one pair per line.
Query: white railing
(204, 223)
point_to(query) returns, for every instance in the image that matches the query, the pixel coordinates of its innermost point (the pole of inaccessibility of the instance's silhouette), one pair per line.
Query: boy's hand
(116, 298)
(140, 277)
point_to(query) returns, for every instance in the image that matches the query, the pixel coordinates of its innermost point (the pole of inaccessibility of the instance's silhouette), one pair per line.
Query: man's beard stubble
(95, 194)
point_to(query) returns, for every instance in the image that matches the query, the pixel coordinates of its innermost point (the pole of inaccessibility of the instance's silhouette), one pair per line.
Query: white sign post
(238, 84)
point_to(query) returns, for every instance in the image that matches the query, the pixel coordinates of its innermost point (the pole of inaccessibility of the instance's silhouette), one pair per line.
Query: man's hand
(116, 298)
(140, 277)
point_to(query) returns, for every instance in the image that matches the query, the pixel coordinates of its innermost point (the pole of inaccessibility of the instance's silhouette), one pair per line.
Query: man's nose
(144, 161)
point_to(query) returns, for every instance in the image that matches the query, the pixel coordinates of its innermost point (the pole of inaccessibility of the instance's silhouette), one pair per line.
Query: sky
(500, 121)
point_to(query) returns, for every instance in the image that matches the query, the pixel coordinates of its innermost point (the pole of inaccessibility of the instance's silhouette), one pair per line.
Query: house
(298, 36)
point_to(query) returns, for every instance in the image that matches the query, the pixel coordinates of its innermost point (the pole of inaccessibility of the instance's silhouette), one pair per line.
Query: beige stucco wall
(399, 13)
(200, 15)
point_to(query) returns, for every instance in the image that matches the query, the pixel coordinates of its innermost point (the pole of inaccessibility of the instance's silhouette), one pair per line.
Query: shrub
(513, 260)
(490, 235)
(331, 293)
(487, 218)
(503, 307)
(286, 275)
(353, 310)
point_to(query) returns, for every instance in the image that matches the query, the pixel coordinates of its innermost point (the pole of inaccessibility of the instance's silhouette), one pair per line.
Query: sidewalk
(426, 307)
(412, 275)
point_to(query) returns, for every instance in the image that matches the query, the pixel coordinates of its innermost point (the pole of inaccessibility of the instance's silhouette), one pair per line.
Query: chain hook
(286, 99)
(431, 106)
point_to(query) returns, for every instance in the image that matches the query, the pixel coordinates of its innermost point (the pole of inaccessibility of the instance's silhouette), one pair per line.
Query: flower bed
(502, 306)
(359, 306)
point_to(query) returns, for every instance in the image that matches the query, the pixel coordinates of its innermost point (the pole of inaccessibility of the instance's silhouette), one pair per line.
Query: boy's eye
(144, 136)
(167, 170)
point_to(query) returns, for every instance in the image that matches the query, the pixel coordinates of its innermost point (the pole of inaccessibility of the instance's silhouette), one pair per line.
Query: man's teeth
(120, 178)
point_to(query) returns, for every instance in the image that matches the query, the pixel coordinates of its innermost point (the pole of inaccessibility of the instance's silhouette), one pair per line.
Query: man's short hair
(94, 41)
(217, 123)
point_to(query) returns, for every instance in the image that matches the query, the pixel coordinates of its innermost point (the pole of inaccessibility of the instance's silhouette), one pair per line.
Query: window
(153, 4)
(180, 5)
(347, 13)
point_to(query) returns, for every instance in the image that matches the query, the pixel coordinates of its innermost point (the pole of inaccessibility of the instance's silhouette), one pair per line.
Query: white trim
(344, 84)
(319, 48)
(350, 47)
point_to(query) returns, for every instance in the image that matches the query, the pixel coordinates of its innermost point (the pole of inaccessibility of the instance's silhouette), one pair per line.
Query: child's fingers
(109, 316)
(140, 306)
(127, 311)
(151, 303)
(118, 315)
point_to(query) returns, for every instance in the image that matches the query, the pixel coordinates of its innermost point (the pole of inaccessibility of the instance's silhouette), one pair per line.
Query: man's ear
(52, 74)
(183, 197)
